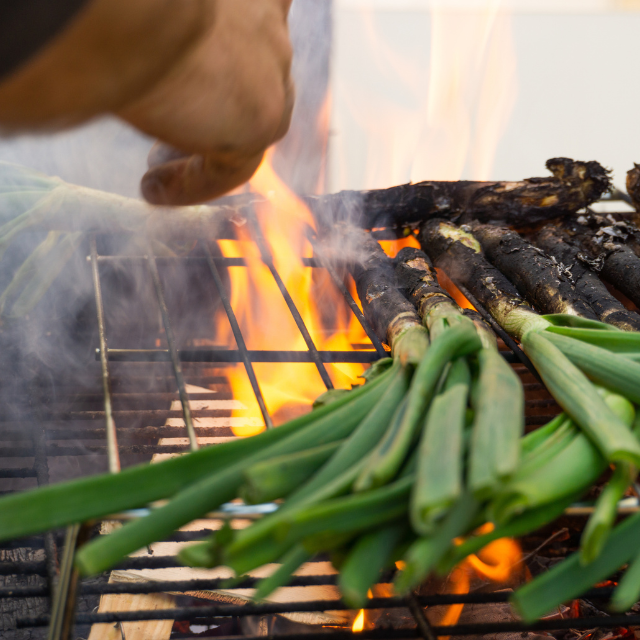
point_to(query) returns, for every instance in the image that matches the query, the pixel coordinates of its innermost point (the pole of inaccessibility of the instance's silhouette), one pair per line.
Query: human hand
(222, 106)
(207, 77)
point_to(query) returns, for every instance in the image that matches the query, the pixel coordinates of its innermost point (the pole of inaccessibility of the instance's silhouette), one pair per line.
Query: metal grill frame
(66, 582)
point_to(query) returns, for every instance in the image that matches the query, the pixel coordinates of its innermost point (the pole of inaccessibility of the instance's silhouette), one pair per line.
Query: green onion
(569, 320)
(577, 396)
(498, 403)
(354, 512)
(390, 453)
(273, 479)
(29, 266)
(440, 460)
(43, 275)
(424, 554)
(571, 471)
(548, 449)
(538, 436)
(337, 475)
(570, 579)
(614, 341)
(604, 516)
(364, 562)
(211, 491)
(258, 544)
(608, 369)
(291, 561)
(627, 592)
(361, 442)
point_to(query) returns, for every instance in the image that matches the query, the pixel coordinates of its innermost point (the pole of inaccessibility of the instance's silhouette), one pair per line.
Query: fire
(471, 92)
(358, 623)
(447, 284)
(264, 318)
(498, 562)
(428, 109)
(391, 247)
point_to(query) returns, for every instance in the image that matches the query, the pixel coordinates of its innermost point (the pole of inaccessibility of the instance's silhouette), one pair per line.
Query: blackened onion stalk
(572, 186)
(571, 261)
(563, 350)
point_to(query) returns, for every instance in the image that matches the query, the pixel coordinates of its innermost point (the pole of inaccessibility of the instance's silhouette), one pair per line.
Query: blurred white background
(560, 74)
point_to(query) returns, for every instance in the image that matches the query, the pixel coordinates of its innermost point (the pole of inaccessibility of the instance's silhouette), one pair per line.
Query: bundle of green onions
(427, 450)
(201, 481)
(356, 475)
(591, 370)
(453, 438)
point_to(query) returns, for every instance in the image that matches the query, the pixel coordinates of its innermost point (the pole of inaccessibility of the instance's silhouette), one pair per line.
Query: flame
(437, 112)
(264, 318)
(391, 247)
(471, 92)
(358, 623)
(447, 284)
(498, 562)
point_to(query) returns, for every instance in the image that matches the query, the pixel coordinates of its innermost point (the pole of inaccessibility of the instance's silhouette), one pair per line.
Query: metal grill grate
(63, 618)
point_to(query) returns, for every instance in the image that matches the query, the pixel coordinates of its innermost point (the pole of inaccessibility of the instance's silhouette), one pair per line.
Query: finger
(287, 112)
(286, 5)
(162, 153)
(195, 179)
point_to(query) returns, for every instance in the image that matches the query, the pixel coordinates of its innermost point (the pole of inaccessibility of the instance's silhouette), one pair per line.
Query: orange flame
(358, 623)
(498, 562)
(264, 318)
(447, 284)
(391, 247)
(434, 112)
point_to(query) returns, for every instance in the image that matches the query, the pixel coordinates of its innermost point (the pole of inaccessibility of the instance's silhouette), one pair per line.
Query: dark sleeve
(27, 25)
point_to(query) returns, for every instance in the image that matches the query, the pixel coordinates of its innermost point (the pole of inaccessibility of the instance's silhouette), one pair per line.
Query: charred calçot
(459, 254)
(384, 306)
(572, 186)
(603, 244)
(418, 279)
(537, 277)
(570, 259)
(633, 185)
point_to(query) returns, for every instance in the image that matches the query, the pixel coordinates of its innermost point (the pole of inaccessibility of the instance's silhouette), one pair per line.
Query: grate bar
(424, 626)
(380, 350)
(598, 593)
(218, 611)
(110, 425)
(221, 260)
(64, 598)
(506, 338)
(173, 352)
(267, 258)
(237, 334)
(234, 356)
(41, 469)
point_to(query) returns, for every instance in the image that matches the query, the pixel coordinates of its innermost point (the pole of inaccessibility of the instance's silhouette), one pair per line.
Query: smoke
(48, 364)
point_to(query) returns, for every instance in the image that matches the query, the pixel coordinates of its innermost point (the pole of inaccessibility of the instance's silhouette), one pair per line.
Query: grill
(145, 392)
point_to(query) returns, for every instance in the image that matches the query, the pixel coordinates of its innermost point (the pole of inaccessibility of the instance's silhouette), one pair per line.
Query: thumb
(195, 179)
